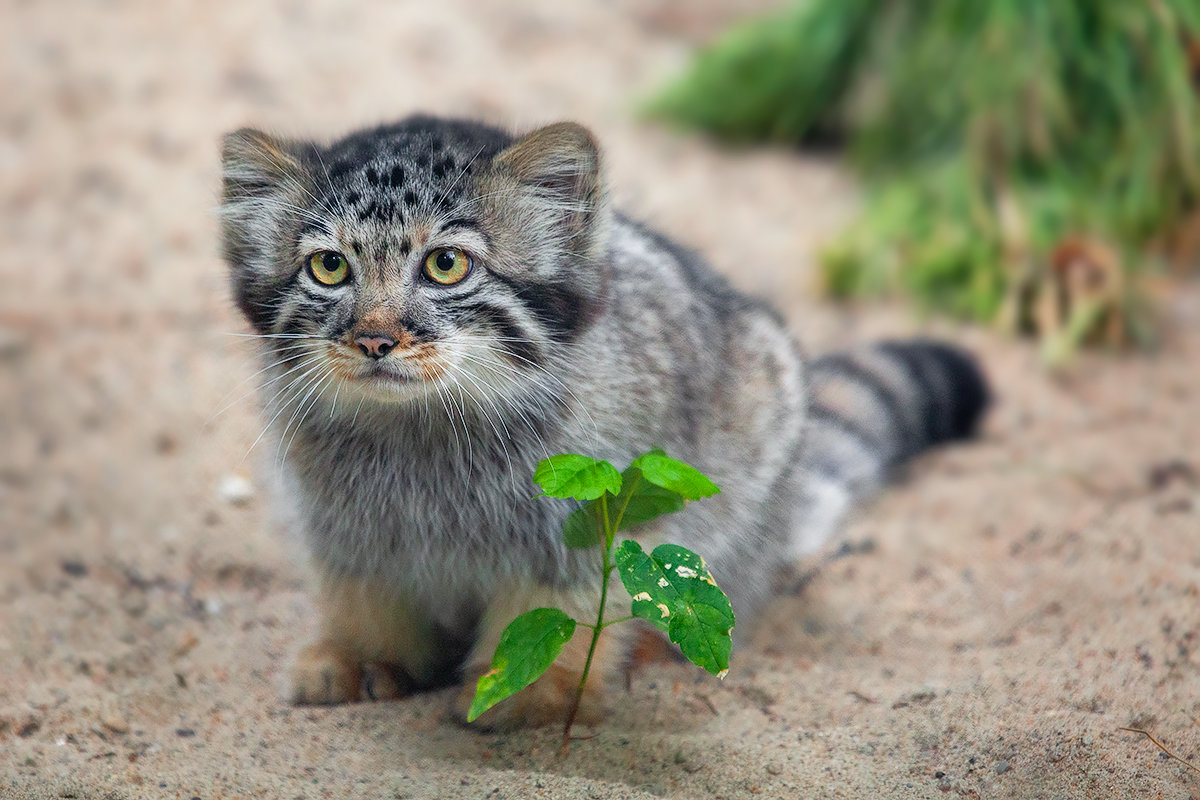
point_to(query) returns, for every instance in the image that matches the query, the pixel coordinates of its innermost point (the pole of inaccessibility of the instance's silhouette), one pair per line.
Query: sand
(983, 630)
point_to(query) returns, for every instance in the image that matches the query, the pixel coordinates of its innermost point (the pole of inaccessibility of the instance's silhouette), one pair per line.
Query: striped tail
(870, 410)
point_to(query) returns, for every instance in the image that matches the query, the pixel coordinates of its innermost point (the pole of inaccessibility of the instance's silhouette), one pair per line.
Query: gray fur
(601, 338)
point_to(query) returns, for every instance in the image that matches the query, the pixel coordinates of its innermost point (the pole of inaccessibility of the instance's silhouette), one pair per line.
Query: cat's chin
(389, 388)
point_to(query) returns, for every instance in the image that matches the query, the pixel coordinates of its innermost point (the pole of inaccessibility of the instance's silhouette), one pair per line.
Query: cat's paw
(325, 675)
(546, 701)
(385, 682)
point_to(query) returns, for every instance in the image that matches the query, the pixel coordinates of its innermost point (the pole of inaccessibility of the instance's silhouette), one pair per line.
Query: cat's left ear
(559, 167)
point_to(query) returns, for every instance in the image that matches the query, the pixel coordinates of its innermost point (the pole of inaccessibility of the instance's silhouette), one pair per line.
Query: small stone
(1002, 768)
(76, 569)
(235, 490)
(115, 724)
(186, 644)
(185, 733)
(774, 768)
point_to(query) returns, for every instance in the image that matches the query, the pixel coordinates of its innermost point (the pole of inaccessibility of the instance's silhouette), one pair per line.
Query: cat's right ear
(263, 180)
(254, 164)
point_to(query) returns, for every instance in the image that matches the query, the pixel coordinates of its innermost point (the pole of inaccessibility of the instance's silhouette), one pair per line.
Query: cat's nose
(375, 345)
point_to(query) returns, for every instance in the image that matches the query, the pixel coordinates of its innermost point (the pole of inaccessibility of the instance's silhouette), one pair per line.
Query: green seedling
(670, 587)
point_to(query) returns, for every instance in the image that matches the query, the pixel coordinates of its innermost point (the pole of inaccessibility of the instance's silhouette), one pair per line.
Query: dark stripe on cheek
(258, 298)
(559, 309)
(318, 305)
(511, 337)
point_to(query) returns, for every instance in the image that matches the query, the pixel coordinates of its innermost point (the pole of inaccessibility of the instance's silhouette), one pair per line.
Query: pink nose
(375, 345)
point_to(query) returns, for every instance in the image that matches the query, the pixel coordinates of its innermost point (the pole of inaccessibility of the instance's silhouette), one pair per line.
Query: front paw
(546, 701)
(325, 675)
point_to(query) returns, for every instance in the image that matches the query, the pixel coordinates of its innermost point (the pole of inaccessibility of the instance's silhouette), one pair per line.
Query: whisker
(260, 387)
(282, 408)
(502, 439)
(311, 387)
(540, 372)
(331, 373)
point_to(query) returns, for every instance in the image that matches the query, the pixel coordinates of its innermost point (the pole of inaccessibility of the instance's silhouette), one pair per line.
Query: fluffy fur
(576, 330)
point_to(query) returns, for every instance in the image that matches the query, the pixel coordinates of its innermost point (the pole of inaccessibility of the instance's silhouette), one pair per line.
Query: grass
(1027, 162)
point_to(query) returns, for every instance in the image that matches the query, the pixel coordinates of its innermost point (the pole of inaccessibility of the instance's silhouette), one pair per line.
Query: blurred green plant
(1024, 159)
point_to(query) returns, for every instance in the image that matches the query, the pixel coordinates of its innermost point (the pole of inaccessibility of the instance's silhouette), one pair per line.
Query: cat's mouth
(384, 374)
(396, 376)
(396, 372)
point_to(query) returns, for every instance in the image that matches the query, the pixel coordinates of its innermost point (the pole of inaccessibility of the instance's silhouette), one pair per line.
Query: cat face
(418, 258)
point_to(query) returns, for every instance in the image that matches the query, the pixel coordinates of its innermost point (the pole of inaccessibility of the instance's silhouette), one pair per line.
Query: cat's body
(417, 400)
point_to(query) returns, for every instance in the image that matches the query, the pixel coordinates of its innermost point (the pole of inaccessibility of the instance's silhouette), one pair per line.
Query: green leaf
(583, 528)
(655, 599)
(577, 477)
(642, 501)
(664, 471)
(673, 590)
(527, 648)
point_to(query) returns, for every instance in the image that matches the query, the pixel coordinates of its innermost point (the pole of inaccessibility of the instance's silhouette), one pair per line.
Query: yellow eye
(328, 267)
(447, 266)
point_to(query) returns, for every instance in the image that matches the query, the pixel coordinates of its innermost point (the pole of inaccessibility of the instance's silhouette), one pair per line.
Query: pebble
(115, 724)
(235, 490)
(1002, 768)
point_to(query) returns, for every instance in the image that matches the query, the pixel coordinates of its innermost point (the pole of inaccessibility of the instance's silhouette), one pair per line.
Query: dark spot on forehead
(356, 246)
(405, 247)
(341, 168)
(381, 210)
(413, 166)
(441, 168)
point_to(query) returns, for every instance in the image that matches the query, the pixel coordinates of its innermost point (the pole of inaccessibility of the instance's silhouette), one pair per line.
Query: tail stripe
(888, 400)
(930, 385)
(823, 415)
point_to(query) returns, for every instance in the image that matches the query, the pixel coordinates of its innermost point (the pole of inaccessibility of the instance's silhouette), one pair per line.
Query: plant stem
(606, 569)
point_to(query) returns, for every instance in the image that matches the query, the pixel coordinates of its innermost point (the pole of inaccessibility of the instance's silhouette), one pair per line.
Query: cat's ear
(263, 180)
(560, 166)
(254, 164)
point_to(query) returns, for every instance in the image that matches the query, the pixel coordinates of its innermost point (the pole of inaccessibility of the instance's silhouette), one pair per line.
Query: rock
(115, 723)
(235, 490)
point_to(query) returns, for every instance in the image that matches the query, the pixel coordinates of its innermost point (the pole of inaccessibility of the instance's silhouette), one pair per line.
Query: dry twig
(1161, 746)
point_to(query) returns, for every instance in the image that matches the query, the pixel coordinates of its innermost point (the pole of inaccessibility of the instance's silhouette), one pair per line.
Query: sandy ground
(985, 630)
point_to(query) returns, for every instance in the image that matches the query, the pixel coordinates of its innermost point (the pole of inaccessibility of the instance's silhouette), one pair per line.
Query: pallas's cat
(441, 305)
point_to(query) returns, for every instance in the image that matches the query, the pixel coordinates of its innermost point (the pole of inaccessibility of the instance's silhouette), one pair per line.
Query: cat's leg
(366, 631)
(548, 699)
